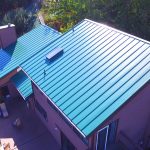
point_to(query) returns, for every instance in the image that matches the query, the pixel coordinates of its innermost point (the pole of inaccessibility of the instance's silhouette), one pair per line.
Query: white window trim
(105, 139)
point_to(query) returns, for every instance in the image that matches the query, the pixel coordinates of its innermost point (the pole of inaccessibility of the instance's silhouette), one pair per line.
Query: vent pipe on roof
(44, 73)
(7, 35)
(73, 29)
(9, 24)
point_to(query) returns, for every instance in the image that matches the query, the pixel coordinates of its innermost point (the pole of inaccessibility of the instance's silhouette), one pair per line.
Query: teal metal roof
(101, 68)
(26, 46)
(23, 84)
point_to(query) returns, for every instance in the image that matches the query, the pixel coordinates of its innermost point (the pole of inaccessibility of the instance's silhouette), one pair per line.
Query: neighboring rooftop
(22, 84)
(100, 69)
(26, 46)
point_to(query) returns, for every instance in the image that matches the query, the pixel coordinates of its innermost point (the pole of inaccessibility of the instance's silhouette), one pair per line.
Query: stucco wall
(55, 123)
(134, 116)
(7, 35)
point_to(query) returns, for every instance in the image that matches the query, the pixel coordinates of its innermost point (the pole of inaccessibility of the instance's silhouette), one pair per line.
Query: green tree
(21, 18)
(63, 14)
(132, 16)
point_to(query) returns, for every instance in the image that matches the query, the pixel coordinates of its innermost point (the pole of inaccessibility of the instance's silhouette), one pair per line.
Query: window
(102, 138)
(1, 97)
(106, 136)
(41, 110)
(5, 91)
(66, 144)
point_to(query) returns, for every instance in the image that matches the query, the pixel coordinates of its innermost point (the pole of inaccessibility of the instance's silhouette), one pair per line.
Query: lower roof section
(25, 47)
(23, 84)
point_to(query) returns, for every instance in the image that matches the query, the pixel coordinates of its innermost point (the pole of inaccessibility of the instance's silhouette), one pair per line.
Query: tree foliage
(132, 16)
(15, 11)
(64, 14)
(21, 18)
(7, 5)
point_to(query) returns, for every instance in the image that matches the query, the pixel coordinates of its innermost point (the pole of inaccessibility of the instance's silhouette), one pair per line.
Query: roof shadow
(6, 55)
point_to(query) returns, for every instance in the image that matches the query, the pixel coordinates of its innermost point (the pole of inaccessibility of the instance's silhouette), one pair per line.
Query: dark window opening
(66, 144)
(1, 97)
(5, 91)
(41, 110)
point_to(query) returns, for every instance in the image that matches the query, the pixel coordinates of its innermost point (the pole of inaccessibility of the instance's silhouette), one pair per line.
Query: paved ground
(33, 135)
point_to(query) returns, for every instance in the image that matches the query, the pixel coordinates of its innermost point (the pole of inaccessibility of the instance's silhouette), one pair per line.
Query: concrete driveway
(33, 135)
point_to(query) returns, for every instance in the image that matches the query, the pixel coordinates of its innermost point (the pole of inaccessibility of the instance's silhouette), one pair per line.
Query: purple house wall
(6, 40)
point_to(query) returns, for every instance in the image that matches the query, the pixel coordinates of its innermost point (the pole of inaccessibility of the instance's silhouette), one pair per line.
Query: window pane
(41, 110)
(102, 139)
(66, 144)
(5, 91)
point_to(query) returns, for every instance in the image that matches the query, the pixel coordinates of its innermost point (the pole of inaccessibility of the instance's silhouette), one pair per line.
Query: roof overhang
(22, 84)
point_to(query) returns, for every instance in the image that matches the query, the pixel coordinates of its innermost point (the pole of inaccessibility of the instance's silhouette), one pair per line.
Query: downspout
(1, 44)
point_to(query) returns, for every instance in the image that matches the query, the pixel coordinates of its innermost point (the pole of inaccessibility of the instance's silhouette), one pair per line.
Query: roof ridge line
(44, 25)
(122, 32)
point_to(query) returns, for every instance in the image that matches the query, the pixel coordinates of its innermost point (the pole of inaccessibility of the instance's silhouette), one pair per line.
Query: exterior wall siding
(6, 40)
(55, 123)
(134, 117)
